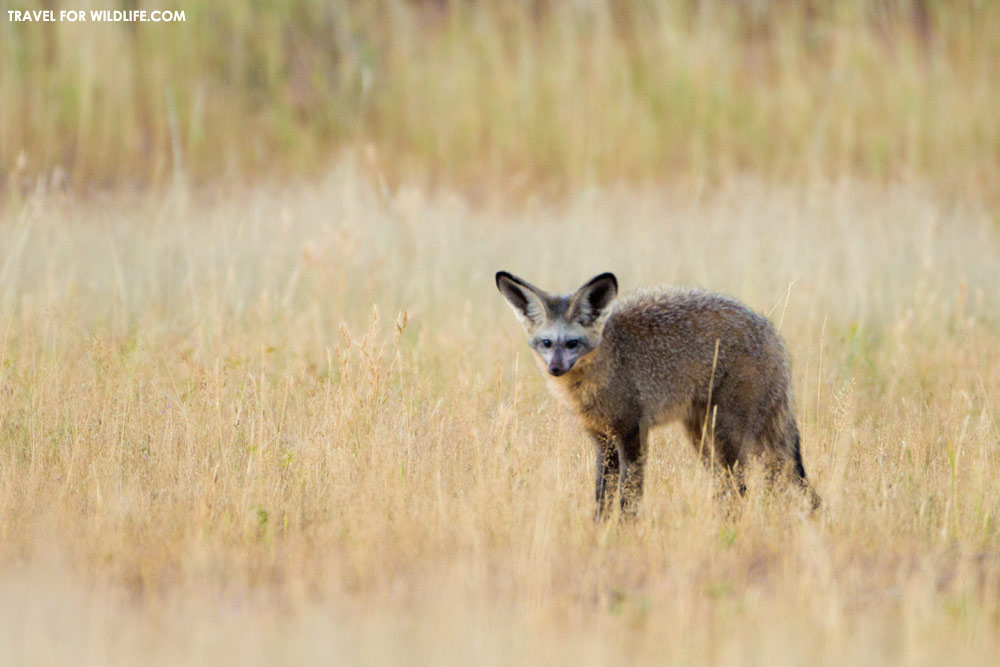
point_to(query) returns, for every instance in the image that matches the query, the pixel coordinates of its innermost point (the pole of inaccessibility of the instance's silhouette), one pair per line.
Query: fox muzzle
(559, 364)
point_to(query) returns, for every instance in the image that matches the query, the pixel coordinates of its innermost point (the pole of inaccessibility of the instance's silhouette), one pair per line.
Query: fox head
(562, 329)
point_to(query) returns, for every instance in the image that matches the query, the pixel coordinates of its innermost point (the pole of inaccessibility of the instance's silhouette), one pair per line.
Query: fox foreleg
(607, 472)
(632, 450)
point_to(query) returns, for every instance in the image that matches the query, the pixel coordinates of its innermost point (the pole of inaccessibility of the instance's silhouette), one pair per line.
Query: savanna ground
(214, 446)
(294, 421)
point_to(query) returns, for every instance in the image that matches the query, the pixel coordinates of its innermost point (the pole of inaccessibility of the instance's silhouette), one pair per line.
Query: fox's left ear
(590, 301)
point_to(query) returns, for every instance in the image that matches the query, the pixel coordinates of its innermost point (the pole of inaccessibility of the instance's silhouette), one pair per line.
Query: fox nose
(558, 363)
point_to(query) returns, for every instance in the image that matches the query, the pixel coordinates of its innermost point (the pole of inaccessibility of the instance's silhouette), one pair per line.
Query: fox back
(661, 356)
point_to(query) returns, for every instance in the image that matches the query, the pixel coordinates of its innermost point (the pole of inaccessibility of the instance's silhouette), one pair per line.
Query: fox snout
(559, 364)
(560, 357)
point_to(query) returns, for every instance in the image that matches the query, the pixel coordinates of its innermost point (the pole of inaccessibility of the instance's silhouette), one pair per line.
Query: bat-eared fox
(657, 357)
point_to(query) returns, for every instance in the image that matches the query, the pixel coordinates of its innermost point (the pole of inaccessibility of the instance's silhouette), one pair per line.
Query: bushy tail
(799, 470)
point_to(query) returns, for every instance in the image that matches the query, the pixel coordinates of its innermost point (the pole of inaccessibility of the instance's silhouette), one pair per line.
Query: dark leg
(693, 424)
(632, 453)
(718, 446)
(607, 472)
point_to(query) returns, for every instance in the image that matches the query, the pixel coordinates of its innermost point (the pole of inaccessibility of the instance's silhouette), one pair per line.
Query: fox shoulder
(648, 307)
(685, 316)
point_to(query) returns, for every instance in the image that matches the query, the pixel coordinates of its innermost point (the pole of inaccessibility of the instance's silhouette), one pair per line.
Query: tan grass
(301, 424)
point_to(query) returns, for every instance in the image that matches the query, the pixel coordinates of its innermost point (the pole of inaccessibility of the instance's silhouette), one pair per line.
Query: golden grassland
(298, 423)
(568, 93)
(251, 418)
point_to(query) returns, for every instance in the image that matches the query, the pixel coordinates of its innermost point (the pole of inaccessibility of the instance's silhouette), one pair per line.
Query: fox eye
(546, 342)
(572, 344)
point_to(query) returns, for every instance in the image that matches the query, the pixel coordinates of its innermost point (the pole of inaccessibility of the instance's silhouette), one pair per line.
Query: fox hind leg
(721, 445)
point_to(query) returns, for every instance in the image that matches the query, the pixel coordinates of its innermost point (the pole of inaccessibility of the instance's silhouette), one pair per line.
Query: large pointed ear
(526, 300)
(591, 301)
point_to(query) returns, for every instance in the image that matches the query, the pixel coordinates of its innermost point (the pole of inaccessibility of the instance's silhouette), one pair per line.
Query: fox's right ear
(591, 301)
(526, 300)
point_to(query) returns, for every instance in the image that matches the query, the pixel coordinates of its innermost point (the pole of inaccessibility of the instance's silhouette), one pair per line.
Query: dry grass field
(298, 424)
(261, 402)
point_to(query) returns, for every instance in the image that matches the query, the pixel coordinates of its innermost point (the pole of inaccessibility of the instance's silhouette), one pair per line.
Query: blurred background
(505, 94)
